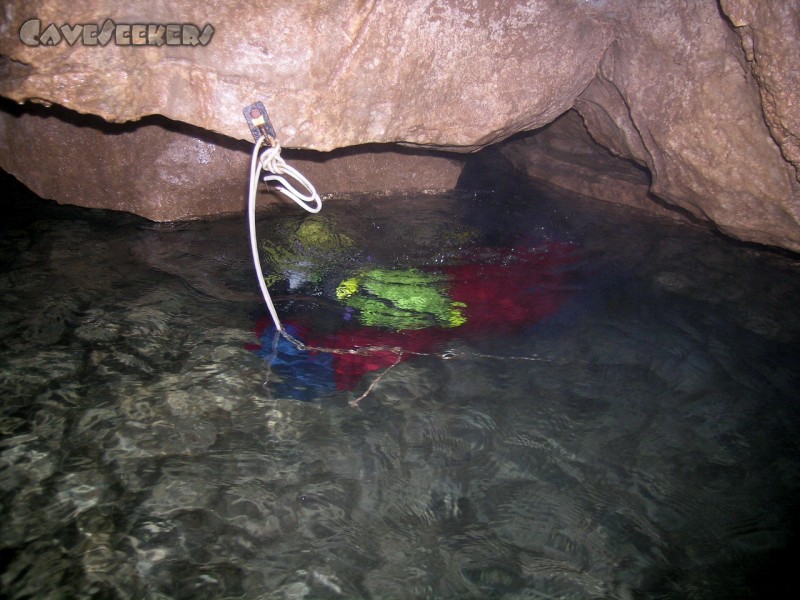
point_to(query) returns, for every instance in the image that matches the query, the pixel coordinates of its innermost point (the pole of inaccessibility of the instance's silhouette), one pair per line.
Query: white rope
(270, 160)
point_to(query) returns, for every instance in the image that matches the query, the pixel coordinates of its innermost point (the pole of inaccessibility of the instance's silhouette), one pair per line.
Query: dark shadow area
(489, 171)
(22, 206)
(321, 157)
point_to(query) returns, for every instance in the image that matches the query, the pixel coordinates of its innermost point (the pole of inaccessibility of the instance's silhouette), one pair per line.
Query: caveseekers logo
(123, 34)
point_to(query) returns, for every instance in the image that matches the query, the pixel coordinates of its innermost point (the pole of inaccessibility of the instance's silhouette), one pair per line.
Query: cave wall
(167, 171)
(693, 102)
(452, 73)
(675, 94)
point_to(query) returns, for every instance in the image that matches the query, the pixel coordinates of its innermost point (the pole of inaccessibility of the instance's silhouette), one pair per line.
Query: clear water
(625, 426)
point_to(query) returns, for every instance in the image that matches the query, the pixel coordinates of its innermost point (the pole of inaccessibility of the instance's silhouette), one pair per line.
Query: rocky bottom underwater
(564, 399)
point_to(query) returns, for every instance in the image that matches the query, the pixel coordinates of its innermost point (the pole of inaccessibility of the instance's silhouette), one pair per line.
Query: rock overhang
(669, 87)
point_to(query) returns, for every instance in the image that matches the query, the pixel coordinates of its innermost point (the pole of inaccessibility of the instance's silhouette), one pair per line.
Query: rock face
(564, 154)
(769, 32)
(675, 95)
(168, 171)
(703, 95)
(454, 73)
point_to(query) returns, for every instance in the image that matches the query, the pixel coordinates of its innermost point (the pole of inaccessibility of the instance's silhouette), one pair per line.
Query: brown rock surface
(703, 94)
(168, 171)
(453, 73)
(770, 32)
(674, 95)
(564, 154)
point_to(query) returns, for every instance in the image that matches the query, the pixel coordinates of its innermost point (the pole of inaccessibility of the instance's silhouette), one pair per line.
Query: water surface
(624, 425)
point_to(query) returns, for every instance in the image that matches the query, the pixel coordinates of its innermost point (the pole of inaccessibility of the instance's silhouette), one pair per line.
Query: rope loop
(272, 162)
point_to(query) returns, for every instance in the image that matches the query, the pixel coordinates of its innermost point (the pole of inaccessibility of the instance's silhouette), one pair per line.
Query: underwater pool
(567, 400)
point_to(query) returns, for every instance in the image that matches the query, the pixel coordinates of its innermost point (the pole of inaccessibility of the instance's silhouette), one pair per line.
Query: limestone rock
(702, 94)
(167, 171)
(564, 154)
(673, 95)
(770, 32)
(451, 73)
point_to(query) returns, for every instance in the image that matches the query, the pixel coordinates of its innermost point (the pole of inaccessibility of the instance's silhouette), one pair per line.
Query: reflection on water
(153, 444)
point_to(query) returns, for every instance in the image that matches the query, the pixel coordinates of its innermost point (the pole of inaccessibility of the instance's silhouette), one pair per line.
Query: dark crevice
(84, 120)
